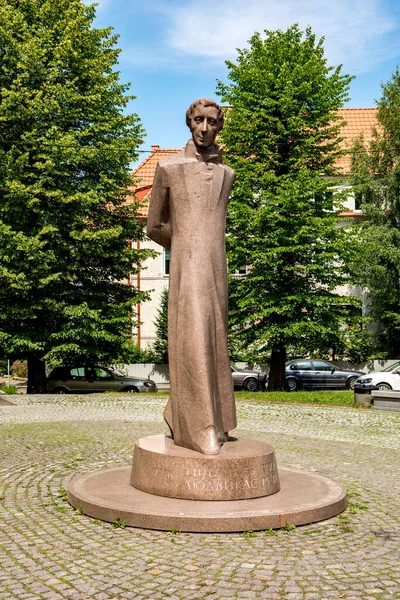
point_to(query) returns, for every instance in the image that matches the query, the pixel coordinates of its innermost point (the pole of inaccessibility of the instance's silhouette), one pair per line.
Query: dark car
(304, 373)
(251, 381)
(84, 380)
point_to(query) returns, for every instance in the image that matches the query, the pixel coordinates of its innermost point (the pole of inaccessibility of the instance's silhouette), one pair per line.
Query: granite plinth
(362, 396)
(243, 469)
(386, 400)
(304, 498)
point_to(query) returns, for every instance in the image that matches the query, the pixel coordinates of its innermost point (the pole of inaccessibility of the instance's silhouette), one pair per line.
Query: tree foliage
(282, 138)
(65, 147)
(160, 347)
(133, 355)
(376, 182)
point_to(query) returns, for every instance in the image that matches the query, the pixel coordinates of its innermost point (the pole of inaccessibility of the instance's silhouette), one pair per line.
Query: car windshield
(116, 371)
(392, 367)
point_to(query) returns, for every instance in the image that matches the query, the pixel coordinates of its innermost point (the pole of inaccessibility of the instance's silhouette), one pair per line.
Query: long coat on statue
(187, 213)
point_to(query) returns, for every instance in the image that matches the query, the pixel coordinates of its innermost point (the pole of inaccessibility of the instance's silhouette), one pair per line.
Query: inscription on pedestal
(161, 472)
(239, 475)
(199, 479)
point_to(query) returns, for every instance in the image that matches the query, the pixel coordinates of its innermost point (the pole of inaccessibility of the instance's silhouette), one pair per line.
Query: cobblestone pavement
(48, 551)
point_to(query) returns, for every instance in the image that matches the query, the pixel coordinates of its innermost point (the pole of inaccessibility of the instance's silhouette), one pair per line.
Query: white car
(388, 379)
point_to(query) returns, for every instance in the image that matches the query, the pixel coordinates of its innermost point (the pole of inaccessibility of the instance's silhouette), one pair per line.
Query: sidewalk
(48, 551)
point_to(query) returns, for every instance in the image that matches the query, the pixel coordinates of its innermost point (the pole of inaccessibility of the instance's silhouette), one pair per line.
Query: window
(241, 272)
(358, 200)
(362, 197)
(60, 373)
(101, 373)
(303, 365)
(166, 260)
(77, 373)
(323, 202)
(322, 366)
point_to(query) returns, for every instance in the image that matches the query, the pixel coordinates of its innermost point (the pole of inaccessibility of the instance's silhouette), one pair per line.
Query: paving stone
(49, 552)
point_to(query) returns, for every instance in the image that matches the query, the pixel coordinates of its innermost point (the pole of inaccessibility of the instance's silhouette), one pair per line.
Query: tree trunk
(276, 380)
(36, 376)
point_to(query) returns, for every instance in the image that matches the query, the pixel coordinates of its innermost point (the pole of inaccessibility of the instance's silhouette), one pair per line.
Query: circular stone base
(304, 498)
(243, 469)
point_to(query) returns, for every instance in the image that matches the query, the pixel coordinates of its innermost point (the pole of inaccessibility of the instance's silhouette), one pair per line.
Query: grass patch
(8, 390)
(249, 534)
(334, 398)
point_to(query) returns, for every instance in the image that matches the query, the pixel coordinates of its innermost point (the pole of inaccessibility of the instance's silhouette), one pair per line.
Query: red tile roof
(358, 120)
(144, 173)
(144, 176)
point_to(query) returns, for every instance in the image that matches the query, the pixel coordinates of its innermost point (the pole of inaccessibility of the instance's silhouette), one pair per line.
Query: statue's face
(204, 126)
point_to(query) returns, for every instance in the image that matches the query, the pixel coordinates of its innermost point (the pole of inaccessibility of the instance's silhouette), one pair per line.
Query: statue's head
(205, 120)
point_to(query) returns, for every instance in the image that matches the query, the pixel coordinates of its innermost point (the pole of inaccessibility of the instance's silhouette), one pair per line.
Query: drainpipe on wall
(138, 304)
(129, 283)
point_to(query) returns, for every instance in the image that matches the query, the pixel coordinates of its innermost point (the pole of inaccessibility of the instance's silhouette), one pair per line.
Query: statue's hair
(205, 102)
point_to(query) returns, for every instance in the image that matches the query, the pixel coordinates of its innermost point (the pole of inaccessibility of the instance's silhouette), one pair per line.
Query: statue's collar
(213, 154)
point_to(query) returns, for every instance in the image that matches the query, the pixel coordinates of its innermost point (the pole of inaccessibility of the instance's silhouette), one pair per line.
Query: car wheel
(59, 391)
(351, 383)
(251, 385)
(384, 386)
(131, 390)
(292, 385)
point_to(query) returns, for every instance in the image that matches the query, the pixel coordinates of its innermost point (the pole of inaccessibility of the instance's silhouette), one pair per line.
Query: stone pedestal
(362, 396)
(243, 469)
(304, 498)
(240, 490)
(386, 400)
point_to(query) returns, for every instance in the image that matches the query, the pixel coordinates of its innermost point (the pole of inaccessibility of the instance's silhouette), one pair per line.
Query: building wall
(154, 280)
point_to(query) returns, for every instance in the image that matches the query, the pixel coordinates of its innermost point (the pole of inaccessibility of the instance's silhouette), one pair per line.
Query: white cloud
(359, 33)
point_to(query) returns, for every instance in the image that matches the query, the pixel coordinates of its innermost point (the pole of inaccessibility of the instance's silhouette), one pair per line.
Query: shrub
(20, 368)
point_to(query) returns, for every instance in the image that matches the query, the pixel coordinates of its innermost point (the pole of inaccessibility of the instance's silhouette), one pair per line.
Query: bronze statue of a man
(187, 213)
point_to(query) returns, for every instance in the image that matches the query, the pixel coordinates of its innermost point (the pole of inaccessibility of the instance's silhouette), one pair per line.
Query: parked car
(388, 379)
(251, 381)
(304, 373)
(84, 380)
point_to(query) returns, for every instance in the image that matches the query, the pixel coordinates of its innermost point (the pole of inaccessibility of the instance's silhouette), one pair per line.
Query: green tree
(161, 344)
(132, 354)
(65, 147)
(282, 139)
(376, 181)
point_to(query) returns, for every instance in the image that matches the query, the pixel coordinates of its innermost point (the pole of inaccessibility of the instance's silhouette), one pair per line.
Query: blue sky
(173, 51)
